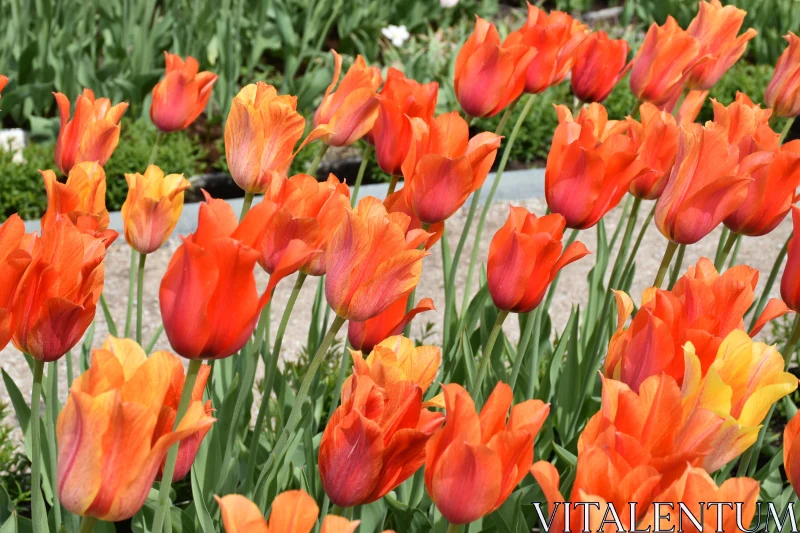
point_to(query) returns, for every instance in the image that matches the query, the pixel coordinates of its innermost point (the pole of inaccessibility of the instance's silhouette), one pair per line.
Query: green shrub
(14, 466)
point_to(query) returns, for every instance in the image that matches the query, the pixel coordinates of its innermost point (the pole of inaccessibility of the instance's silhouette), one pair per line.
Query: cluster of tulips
(686, 391)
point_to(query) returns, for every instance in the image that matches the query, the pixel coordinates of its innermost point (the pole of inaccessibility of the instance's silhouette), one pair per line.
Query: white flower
(448, 3)
(396, 34)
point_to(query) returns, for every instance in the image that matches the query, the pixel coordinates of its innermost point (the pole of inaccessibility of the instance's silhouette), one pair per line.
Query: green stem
(246, 204)
(392, 185)
(773, 275)
(112, 327)
(37, 502)
(52, 409)
(487, 204)
(312, 168)
(453, 528)
(524, 340)
(487, 352)
(665, 262)
(726, 249)
(622, 256)
(162, 507)
(154, 150)
(723, 236)
(786, 128)
(676, 269)
(87, 524)
(302, 395)
(359, 177)
(140, 297)
(632, 256)
(269, 380)
(131, 294)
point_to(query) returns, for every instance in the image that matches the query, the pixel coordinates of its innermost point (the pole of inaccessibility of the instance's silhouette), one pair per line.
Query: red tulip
(783, 91)
(14, 260)
(365, 335)
(600, 63)
(657, 140)
(180, 97)
(790, 282)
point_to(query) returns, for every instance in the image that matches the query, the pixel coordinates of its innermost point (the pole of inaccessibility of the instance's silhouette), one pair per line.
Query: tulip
(260, 136)
(782, 92)
(704, 187)
(657, 140)
(525, 256)
(690, 107)
(600, 63)
(790, 282)
(293, 511)
(112, 434)
(82, 200)
(555, 38)
(371, 261)
(488, 75)
(702, 308)
(475, 461)
(56, 297)
(3, 82)
(397, 202)
(400, 100)
(791, 460)
(365, 335)
(152, 208)
(716, 28)
(181, 95)
(662, 63)
(745, 380)
(91, 135)
(351, 110)
(747, 126)
(208, 296)
(13, 262)
(589, 168)
(444, 166)
(376, 438)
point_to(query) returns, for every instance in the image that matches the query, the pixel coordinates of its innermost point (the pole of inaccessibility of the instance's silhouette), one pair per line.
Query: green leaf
(565, 454)
(206, 523)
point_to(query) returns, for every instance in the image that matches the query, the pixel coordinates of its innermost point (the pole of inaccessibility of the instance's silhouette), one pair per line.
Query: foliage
(14, 466)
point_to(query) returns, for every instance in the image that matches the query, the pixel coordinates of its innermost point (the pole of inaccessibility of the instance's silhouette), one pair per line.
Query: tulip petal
(240, 515)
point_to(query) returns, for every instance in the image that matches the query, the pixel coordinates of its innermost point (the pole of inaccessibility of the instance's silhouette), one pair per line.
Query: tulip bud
(600, 63)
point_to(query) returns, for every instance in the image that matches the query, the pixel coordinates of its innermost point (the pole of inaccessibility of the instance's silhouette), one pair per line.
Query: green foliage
(14, 478)
(21, 189)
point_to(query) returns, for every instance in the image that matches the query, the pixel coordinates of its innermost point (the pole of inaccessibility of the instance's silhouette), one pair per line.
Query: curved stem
(312, 168)
(665, 262)
(487, 352)
(676, 268)
(359, 177)
(162, 507)
(140, 297)
(786, 128)
(131, 294)
(269, 380)
(487, 204)
(392, 185)
(87, 524)
(726, 249)
(632, 257)
(154, 151)
(112, 327)
(246, 204)
(522, 347)
(37, 502)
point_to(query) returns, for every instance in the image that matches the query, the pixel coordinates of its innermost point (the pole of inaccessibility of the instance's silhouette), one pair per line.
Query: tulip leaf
(372, 517)
(565, 454)
(408, 519)
(206, 523)
(10, 524)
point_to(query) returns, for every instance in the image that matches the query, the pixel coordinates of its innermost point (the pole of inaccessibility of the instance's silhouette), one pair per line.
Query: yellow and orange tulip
(783, 92)
(91, 135)
(181, 95)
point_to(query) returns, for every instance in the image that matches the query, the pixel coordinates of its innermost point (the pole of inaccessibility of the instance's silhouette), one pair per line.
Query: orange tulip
(690, 107)
(790, 282)
(111, 433)
(365, 335)
(716, 28)
(293, 511)
(181, 95)
(299, 220)
(555, 38)
(398, 203)
(783, 91)
(351, 110)
(82, 200)
(475, 461)
(657, 138)
(702, 308)
(400, 100)
(488, 75)
(13, 262)
(91, 135)
(152, 208)
(747, 125)
(704, 187)
(662, 63)
(600, 63)
(791, 460)
(260, 136)
(525, 256)
(56, 297)
(371, 261)
(444, 166)
(208, 296)
(376, 438)
(590, 166)
(3, 82)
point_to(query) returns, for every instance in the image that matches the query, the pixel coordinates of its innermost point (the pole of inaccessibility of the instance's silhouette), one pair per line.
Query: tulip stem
(665, 262)
(131, 294)
(522, 347)
(140, 297)
(112, 327)
(162, 508)
(726, 249)
(676, 268)
(392, 184)
(154, 150)
(359, 177)
(453, 528)
(487, 204)
(246, 203)
(38, 511)
(786, 127)
(87, 524)
(269, 379)
(487, 352)
(302, 395)
(312, 168)
(773, 275)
